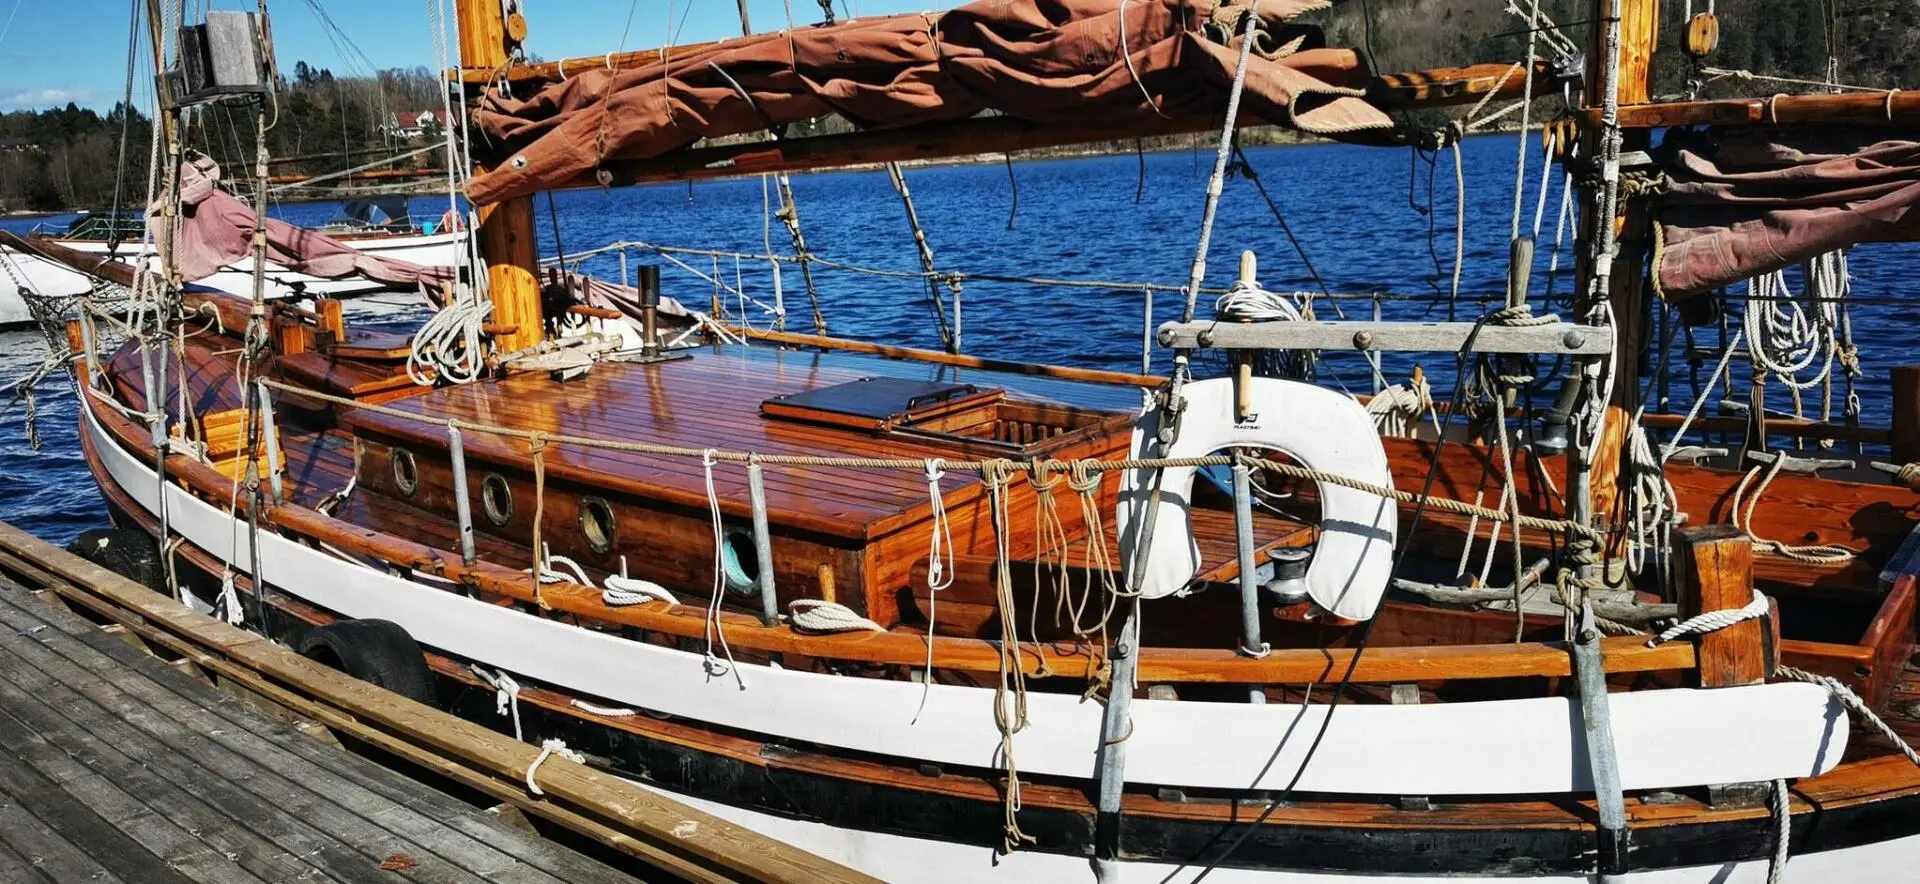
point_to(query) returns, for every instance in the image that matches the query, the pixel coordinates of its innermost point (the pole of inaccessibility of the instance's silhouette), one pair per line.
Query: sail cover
(216, 230)
(1044, 61)
(1742, 203)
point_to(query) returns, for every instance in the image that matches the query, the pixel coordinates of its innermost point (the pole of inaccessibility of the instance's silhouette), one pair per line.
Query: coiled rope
(1786, 335)
(447, 346)
(820, 615)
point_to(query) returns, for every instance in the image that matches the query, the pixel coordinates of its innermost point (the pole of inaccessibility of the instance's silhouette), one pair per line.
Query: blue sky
(56, 51)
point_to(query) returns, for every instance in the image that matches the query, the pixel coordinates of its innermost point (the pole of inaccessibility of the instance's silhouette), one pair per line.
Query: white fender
(1317, 428)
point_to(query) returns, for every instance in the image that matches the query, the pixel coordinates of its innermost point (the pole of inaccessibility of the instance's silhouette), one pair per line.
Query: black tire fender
(379, 652)
(127, 552)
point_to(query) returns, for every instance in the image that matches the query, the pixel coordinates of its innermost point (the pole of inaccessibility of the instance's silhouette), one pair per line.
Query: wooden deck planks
(159, 778)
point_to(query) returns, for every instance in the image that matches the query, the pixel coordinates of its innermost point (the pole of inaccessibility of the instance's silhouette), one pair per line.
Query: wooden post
(1243, 359)
(1716, 574)
(1906, 414)
(506, 230)
(331, 325)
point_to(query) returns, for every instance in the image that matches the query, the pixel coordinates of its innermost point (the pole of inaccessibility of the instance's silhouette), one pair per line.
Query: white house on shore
(411, 124)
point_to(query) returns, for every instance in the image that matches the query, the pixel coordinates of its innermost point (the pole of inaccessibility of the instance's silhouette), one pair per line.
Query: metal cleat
(1806, 465)
(1690, 454)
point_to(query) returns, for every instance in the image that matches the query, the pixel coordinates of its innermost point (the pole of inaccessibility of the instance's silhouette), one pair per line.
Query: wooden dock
(115, 766)
(127, 754)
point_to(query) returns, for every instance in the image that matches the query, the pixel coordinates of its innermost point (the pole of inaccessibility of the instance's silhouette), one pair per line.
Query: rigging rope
(1815, 554)
(1010, 690)
(1215, 181)
(940, 566)
(713, 628)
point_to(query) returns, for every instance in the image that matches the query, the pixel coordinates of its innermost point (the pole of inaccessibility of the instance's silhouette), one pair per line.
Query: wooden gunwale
(744, 632)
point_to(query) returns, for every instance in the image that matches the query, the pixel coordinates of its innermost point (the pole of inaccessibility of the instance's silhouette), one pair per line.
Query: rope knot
(997, 471)
(1041, 476)
(1082, 478)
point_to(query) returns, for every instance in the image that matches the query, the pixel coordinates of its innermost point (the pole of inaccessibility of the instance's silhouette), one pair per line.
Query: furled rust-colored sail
(1745, 203)
(1047, 61)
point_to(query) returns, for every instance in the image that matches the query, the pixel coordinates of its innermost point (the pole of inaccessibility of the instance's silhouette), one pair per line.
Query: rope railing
(919, 465)
(1129, 286)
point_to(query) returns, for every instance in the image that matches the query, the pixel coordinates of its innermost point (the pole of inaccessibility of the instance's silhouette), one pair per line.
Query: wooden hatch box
(963, 416)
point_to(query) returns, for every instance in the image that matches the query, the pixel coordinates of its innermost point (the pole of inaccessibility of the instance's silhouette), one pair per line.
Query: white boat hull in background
(52, 279)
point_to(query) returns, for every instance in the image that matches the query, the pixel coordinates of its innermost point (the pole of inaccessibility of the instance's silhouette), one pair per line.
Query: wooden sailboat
(904, 608)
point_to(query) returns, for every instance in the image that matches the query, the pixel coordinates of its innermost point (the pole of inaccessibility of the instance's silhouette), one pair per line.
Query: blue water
(1357, 218)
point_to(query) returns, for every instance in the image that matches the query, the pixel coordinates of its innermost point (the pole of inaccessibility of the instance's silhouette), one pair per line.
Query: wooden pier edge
(655, 829)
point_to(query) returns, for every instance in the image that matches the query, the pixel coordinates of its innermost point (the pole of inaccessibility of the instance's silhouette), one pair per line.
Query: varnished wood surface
(712, 399)
(116, 767)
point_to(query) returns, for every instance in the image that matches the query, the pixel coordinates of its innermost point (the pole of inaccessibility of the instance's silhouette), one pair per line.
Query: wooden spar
(506, 232)
(1895, 109)
(1440, 87)
(1716, 574)
(371, 175)
(1000, 134)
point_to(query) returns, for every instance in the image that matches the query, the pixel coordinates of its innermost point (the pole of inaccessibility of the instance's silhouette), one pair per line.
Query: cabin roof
(713, 400)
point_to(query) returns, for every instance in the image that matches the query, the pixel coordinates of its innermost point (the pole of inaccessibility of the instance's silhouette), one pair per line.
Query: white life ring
(1317, 428)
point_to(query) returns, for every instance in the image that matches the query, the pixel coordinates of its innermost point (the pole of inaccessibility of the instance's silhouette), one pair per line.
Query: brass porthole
(496, 499)
(739, 561)
(597, 524)
(406, 473)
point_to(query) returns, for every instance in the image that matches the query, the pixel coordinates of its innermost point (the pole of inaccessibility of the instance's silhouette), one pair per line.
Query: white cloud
(38, 99)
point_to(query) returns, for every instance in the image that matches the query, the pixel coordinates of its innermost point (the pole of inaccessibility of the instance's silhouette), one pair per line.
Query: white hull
(879, 716)
(52, 279)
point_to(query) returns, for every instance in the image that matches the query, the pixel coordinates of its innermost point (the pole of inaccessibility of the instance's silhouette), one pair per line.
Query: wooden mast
(505, 231)
(1626, 283)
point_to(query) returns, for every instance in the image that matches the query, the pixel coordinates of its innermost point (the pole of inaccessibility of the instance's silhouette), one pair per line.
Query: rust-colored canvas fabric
(1046, 61)
(1739, 204)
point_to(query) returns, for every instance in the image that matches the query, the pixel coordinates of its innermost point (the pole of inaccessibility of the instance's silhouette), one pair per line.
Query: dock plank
(268, 743)
(111, 754)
